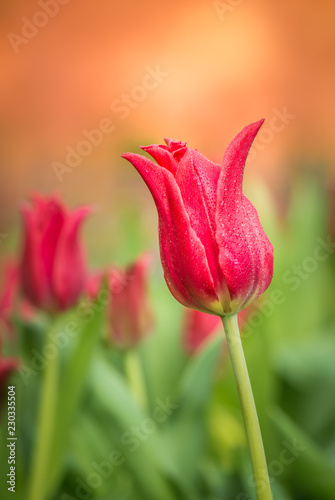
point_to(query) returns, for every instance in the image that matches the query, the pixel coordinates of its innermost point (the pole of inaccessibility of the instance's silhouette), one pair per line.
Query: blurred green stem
(45, 426)
(134, 372)
(258, 460)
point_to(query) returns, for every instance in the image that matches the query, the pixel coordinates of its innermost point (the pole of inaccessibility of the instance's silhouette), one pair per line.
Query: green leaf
(311, 472)
(187, 424)
(78, 354)
(197, 379)
(143, 456)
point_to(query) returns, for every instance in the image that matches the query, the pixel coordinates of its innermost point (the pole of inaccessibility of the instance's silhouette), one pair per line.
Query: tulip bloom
(94, 284)
(130, 315)
(8, 302)
(215, 254)
(9, 287)
(198, 328)
(52, 268)
(7, 293)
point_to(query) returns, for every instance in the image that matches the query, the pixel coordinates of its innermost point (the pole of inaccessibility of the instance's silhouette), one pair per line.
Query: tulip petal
(198, 328)
(130, 313)
(197, 178)
(264, 267)
(165, 156)
(9, 287)
(32, 270)
(183, 255)
(246, 255)
(232, 170)
(52, 218)
(177, 148)
(162, 156)
(69, 273)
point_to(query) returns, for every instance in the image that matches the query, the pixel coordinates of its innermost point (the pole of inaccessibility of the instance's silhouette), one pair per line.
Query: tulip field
(111, 389)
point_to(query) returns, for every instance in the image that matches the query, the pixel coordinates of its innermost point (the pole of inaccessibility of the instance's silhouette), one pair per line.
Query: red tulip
(130, 315)
(53, 271)
(94, 284)
(8, 302)
(7, 293)
(243, 317)
(198, 328)
(215, 254)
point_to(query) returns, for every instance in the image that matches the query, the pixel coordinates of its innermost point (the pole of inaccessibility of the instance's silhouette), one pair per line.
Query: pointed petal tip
(78, 216)
(168, 140)
(126, 156)
(174, 143)
(244, 139)
(85, 210)
(132, 156)
(152, 148)
(236, 155)
(140, 162)
(255, 126)
(93, 209)
(38, 198)
(260, 122)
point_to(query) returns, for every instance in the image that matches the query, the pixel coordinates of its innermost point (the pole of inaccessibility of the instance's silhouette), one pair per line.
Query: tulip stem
(253, 432)
(45, 427)
(134, 372)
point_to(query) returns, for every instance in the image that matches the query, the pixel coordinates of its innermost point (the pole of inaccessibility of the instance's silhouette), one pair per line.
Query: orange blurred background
(223, 65)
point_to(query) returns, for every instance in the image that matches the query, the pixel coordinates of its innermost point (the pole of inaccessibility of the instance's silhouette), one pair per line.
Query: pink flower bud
(52, 268)
(130, 315)
(215, 254)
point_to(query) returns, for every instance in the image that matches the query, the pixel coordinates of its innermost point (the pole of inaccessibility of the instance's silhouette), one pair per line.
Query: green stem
(134, 372)
(254, 437)
(45, 428)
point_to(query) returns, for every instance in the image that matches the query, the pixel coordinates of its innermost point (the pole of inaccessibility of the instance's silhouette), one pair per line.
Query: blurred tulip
(7, 293)
(198, 328)
(243, 316)
(215, 254)
(94, 283)
(52, 268)
(8, 303)
(130, 315)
